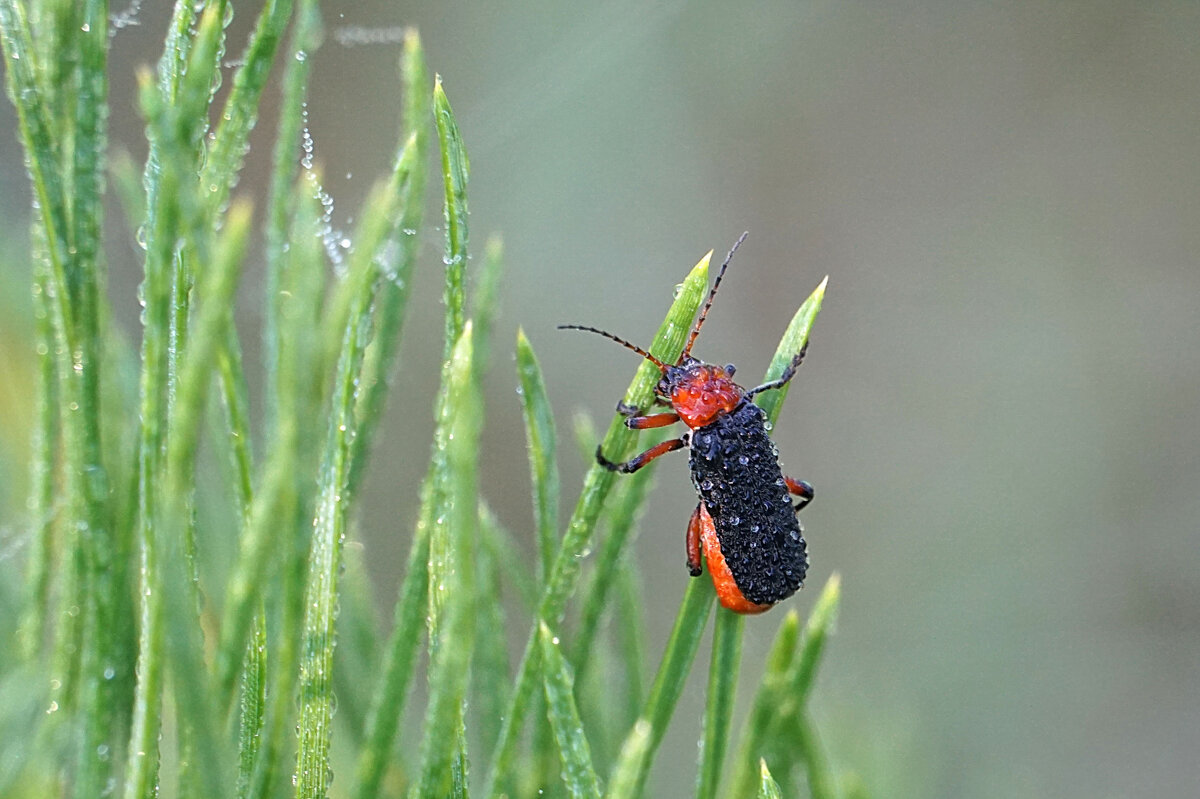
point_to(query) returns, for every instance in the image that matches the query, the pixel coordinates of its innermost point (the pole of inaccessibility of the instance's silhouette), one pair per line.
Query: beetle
(745, 522)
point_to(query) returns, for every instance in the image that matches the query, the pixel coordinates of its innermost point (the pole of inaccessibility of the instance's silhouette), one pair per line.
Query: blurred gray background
(1001, 405)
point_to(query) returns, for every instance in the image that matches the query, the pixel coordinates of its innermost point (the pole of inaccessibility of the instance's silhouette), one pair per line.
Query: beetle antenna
(662, 366)
(711, 295)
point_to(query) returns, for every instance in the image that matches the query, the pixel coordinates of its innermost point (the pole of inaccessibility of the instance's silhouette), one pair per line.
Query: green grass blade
(543, 458)
(455, 168)
(762, 711)
(812, 753)
(672, 672)
(306, 37)
(490, 673)
(559, 685)
(767, 787)
(783, 693)
(451, 572)
(618, 442)
(487, 297)
(502, 548)
(723, 670)
(408, 183)
(824, 615)
(626, 777)
(229, 142)
(794, 338)
(334, 499)
(253, 707)
(390, 693)
(631, 630)
(611, 559)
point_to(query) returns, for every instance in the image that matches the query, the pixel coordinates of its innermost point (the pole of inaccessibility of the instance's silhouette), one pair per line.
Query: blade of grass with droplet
(198, 713)
(408, 182)
(455, 170)
(543, 457)
(334, 498)
(229, 141)
(559, 686)
(451, 570)
(618, 443)
(411, 603)
(306, 37)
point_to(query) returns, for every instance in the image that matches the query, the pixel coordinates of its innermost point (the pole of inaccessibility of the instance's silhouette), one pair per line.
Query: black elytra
(735, 469)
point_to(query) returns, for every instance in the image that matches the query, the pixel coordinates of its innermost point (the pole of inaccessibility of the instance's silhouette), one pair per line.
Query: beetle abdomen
(735, 468)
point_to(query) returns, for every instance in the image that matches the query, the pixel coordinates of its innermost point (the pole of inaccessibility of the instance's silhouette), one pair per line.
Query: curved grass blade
(618, 442)
(577, 772)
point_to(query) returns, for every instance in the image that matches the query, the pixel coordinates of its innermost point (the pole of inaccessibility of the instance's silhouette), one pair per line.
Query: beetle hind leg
(802, 489)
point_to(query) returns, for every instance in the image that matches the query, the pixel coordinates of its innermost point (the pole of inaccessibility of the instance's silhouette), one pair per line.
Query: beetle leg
(653, 420)
(638, 461)
(783, 379)
(693, 543)
(627, 410)
(802, 489)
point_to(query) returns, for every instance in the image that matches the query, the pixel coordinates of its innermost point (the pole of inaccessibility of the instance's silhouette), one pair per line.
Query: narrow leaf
(577, 772)
(543, 459)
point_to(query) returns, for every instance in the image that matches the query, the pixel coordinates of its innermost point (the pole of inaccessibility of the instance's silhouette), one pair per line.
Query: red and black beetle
(745, 520)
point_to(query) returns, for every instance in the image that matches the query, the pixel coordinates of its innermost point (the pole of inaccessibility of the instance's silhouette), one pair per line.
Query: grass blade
(564, 576)
(794, 339)
(782, 696)
(543, 460)
(672, 673)
(723, 671)
(451, 571)
(767, 787)
(577, 772)
(455, 169)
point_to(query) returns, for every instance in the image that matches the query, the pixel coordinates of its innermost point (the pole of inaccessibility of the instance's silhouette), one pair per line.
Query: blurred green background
(1001, 405)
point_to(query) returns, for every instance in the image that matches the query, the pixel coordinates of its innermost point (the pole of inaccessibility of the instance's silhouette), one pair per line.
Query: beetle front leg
(637, 462)
(693, 543)
(802, 489)
(784, 378)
